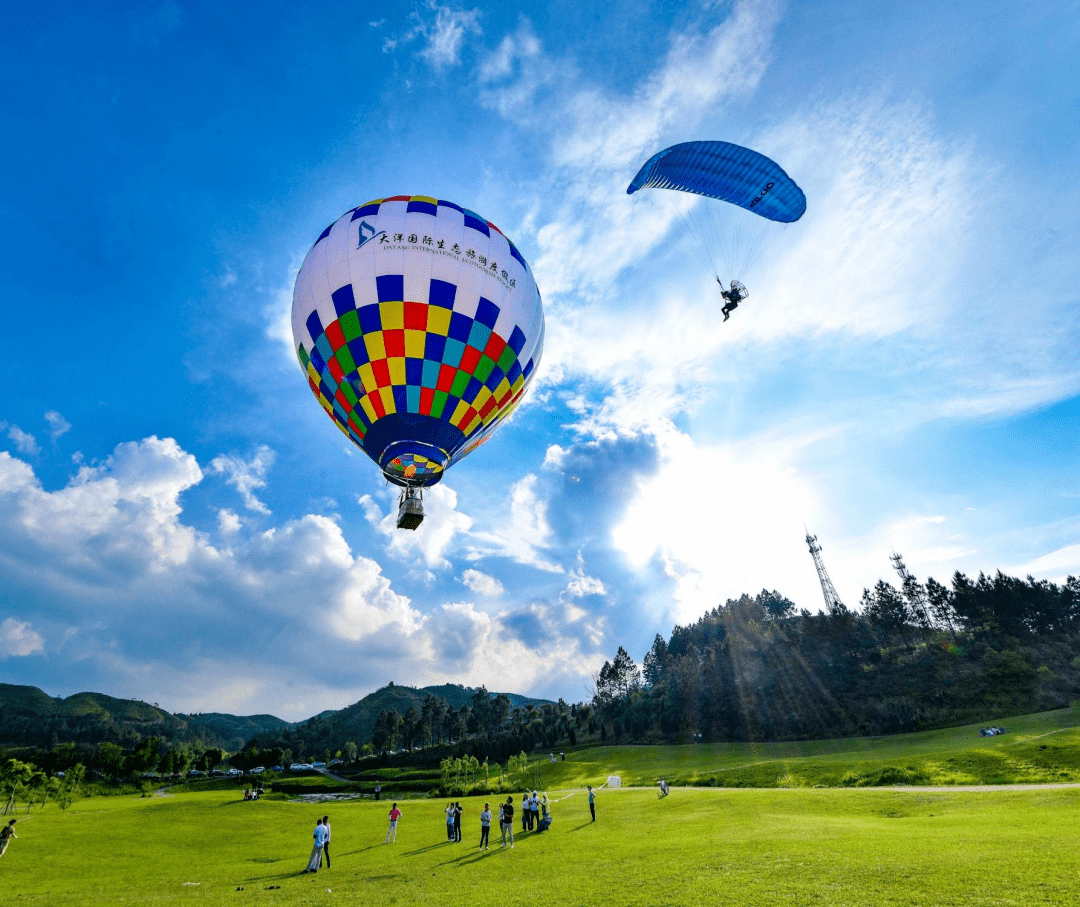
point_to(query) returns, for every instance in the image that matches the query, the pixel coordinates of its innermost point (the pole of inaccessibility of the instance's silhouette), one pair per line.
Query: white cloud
(443, 31)
(19, 638)
(228, 521)
(434, 537)
(110, 558)
(246, 476)
(25, 443)
(58, 425)
(1055, 565)
(482, 584)
(523, 535)
(582, 585)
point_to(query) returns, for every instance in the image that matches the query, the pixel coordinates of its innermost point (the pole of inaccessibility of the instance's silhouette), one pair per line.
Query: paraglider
(732, 297)
(419, 328)
(737, 176)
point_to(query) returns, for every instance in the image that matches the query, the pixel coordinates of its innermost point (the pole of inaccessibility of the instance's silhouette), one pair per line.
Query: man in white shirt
(320, 836)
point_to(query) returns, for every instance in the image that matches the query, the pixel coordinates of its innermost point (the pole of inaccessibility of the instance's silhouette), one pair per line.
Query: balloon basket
(410, 509)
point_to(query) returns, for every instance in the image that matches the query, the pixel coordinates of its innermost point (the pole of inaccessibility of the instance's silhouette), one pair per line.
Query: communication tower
(915, 593)
(833, 605)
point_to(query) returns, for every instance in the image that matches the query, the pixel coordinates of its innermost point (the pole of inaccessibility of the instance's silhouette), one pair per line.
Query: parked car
(335, 761)
(278, 768)
(217, 773)
(195, 773)
(318, 765)
(234, 773)
(258, 770)
(297, 767)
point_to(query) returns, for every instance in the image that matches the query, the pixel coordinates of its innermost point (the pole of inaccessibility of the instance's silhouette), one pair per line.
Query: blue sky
(180, 522)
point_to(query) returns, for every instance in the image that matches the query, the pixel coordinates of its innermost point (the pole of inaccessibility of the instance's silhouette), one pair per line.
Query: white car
(258, 770)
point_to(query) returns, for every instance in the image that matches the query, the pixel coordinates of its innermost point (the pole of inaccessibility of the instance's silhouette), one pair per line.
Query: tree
(14, 776)
(656, 662)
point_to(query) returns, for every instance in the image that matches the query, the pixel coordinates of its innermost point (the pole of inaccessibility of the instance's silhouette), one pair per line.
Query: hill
(29, 717)
(233, 731)
(357, 722)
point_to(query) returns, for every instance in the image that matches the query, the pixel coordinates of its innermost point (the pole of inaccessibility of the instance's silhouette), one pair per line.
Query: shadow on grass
(411, 853)
(350, 853)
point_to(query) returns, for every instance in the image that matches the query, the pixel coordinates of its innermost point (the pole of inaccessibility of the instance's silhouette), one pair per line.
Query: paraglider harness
(733, 297)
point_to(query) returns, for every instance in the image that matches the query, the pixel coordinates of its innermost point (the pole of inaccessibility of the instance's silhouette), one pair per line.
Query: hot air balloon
(738, 177)
(419, 327)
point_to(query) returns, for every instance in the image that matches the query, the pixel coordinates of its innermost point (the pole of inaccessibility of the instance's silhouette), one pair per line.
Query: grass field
(1038, 749)
(797, 846)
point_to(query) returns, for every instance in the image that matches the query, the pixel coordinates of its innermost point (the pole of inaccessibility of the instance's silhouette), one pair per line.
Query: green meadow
(795, 842)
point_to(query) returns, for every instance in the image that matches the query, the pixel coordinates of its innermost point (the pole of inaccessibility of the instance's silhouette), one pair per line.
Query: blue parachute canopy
(727, 172)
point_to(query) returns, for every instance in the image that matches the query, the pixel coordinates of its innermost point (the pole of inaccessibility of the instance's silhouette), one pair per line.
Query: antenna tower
(915, 593)
(833, 605)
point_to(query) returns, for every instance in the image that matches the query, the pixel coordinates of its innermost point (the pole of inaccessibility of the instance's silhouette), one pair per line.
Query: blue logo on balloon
(367, 233)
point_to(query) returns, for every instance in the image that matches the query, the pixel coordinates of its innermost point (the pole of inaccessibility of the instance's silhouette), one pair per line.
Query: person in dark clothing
(592, 802)
(326, 843)
(732, 297)
(457, 822)
(506, 821)
(485, 826)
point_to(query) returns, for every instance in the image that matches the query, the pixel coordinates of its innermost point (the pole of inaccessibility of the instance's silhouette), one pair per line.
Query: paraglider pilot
(732, 297)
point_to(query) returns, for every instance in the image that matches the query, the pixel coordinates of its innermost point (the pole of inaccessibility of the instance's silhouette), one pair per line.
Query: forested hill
(919, 657)
(429, 714)
(30, 717)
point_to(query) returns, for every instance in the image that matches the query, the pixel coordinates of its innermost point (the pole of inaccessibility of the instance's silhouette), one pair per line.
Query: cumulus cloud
(121, 574)
(246, 476)
(482, 584)
(435, 536)
(19, 638)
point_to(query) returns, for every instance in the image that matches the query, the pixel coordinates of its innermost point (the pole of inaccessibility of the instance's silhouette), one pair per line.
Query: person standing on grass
(316, 852)
(450, 822)
(457, 822)
(507, 821)
(485, 826)
(525, 812)
(592, 801)
(326, 843)
(391, 832)
(6, 834)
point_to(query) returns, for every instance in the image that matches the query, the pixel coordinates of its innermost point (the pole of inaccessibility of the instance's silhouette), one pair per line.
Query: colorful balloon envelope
(419, 327)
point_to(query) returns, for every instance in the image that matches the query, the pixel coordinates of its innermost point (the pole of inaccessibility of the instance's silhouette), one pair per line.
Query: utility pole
(833, 605)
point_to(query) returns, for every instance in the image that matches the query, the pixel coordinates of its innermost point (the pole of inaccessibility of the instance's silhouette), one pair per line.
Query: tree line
(911, 658)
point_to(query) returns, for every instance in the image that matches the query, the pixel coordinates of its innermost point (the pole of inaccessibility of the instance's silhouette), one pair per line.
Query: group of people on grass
(535, 816)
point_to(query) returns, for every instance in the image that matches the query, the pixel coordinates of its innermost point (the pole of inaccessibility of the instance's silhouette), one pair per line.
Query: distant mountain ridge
(357, 721)
(30, 717)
